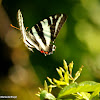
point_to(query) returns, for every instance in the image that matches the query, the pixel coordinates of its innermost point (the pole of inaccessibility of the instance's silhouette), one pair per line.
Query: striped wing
(42, 35)
(28, 39)
(21, 24)
(46, 31)
(55, 25)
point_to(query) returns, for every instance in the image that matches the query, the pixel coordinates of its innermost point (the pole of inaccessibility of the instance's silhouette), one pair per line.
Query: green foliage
(81, 88)
(70, 89)
(47, 95)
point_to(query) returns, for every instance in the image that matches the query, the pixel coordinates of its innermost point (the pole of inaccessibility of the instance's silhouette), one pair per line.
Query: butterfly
(42, 35)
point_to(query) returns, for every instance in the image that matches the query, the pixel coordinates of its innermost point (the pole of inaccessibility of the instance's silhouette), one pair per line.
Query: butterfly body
(42, 35)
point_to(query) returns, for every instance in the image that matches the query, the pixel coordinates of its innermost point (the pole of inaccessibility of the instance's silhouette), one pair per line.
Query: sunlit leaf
(86, 86)
(44, 95)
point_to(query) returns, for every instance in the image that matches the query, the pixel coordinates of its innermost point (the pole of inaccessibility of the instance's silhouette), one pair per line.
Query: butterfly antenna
(14, 27)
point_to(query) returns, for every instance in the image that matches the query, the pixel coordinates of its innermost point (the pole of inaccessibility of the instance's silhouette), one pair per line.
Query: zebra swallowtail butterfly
(42, 35)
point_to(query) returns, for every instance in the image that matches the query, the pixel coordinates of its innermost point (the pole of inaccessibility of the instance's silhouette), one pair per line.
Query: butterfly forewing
(58, 21)
(47, 30)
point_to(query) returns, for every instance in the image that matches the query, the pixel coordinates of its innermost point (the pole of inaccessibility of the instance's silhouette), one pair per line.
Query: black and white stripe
(42, 35)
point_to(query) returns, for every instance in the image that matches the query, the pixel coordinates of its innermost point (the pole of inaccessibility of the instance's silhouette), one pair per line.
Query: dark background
(78, 41)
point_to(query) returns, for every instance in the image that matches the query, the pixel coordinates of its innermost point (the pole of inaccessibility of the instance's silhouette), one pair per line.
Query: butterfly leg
(26, 28)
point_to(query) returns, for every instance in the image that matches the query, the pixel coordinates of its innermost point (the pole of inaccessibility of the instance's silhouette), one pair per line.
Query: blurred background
(21, 71)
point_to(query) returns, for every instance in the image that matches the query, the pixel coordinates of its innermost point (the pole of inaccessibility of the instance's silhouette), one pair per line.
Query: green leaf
(65, 65)
(45, 86)
(86, 86)
(66, 77)
(45, 95)
(84, 95)
(94, 94)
